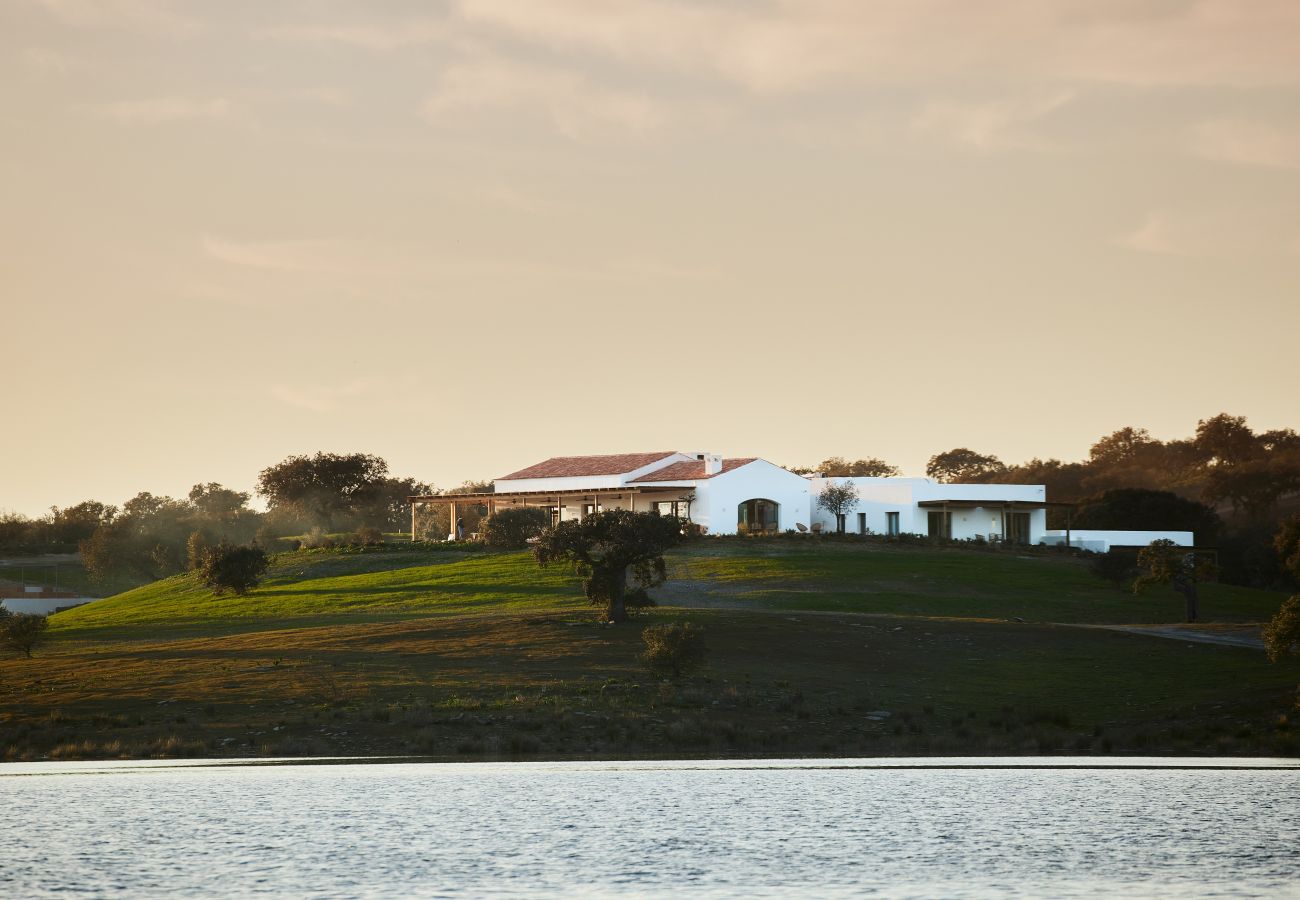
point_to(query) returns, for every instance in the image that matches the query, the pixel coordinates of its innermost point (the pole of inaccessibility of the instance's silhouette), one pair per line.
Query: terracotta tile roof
(691, 470)
(578, 466)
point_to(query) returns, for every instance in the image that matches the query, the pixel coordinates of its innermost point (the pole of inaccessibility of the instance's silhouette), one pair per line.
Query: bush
(368, 536)
(196, 548)
(228, 567)
(317, 538)
(673, 648)
(1119, 567)
(511, 529)
(21, 631)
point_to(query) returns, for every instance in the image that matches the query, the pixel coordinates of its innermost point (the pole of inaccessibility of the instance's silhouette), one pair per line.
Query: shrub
(673, 648)
(368, 536)
(1119, 567)
(196, 547)
(21, 631)
(317, 538)
(511, 529)
(228, 567)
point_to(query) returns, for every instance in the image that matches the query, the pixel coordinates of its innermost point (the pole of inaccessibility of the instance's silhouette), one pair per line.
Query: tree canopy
(871, 467)
(606, 547)
(1164, 562)
(1138, 509)
(962, 465)
(838, 500)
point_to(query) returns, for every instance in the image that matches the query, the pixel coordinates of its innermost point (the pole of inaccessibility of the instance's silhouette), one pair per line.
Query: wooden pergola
(495, 500)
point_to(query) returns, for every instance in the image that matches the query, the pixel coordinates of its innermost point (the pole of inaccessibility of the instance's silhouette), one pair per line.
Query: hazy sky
(469, 235)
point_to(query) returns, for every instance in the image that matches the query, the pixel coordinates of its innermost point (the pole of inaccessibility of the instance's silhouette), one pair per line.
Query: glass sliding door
(940, 524)
(757, 516)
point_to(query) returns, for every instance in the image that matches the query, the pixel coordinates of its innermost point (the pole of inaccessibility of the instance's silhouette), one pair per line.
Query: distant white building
(750, 495)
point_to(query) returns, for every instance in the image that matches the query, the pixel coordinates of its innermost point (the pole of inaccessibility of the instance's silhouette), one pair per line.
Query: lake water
(893, 828)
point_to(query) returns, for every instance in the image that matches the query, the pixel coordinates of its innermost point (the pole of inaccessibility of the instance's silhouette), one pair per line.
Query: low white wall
(42, 606)
(1100, 540)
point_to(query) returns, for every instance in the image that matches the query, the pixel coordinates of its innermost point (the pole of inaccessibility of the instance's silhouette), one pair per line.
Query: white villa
(753, 496)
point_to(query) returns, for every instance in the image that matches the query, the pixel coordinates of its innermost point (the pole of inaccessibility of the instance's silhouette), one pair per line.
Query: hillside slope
(815, 648)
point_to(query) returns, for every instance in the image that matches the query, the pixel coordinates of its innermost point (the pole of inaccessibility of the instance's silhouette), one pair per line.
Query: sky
(467, 236)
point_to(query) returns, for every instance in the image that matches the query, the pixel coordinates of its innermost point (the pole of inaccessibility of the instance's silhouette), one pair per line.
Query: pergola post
(454, 534)
(412, 521)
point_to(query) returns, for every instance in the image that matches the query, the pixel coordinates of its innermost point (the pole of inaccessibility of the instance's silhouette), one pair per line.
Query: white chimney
(712, 463)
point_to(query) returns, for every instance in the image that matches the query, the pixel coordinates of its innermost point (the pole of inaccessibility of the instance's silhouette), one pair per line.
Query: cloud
(1248, 143)
(325, 256)
(157, 17)
(51, 62)
(1240, 233)
(989, 125)
(367, 35)
(325, 398)
(786, 45)
(165, 109)
(1159, 233)
(573, 104)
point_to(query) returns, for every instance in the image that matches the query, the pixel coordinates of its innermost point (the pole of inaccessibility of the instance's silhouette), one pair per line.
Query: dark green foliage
(1118, 566)
(1138, 509)
(962, 465)
(871, 467)
(338, 491)
(511, 529)
(230, 567)
(21, 632)
(637, 600)
(1282, 633)
(606, 547)
(1164, 562)
(1287, 545)
(673, 648)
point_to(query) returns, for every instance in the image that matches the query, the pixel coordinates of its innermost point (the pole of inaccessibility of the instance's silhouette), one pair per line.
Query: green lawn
(871, 577)
(316, 587)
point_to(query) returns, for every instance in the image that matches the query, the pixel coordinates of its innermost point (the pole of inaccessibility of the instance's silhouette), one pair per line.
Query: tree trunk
(617, 588)
(1193, 604)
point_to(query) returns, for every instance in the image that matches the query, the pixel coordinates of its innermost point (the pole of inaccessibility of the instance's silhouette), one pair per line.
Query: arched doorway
(758, 516)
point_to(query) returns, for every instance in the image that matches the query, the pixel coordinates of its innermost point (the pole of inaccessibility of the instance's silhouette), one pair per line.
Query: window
(589, 508)
(862, 523)
(679, 508)
(891, 523)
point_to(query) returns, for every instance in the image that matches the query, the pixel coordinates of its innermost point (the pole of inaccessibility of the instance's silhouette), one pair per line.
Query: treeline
(150, 536)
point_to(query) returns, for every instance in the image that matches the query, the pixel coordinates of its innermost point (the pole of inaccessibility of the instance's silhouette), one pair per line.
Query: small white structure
(1099, 541)
(43, 606)
(753, 496)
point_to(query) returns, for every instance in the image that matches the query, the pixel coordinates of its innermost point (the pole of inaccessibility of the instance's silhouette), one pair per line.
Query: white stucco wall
(1100, 541)
(718, 498)
(877, 497)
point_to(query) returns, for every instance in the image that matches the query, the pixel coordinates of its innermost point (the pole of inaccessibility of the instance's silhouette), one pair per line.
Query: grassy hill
(816, 648)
